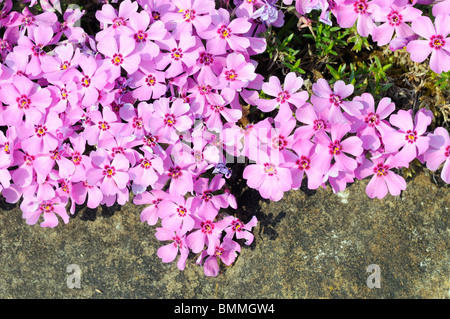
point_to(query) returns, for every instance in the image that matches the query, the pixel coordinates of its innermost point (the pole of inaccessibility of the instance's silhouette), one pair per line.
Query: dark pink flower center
(207, 196)
(55, 155)
(207, 227)
(138, 123)
(411, 136)
(63, 94)
(319, 125)
(117, 59)
(65, 65)
(29, 159)
(360, 6)
(394, 18)
(76, 158)
(447, 151)
(224, 32)
(198, 156)
(437, 42)
(335, 99)
(169, 120)
(279, 142)
(380, 169)
(46, 207)
(28, 20)
(283, 97)
(86, 81)
(177, 54)
(189, 15)
(335, 148)
(40, 130)
(140, 36)
(175, 172)
(206, 58)
(37, 50)
(150, 80)
(118, 22)
(230, 75)
(236, 225)
(177, 242)
(23, 102)
(182, 211)
(150, 140)
(103, 125)
(372, 119)
(303, 163)
(145, 163)
(109, 171)
(204, 89)
(270, 169)
(217, 108)
(156, 15)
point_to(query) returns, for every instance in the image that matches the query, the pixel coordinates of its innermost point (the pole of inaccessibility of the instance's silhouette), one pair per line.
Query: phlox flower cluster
(149, 108)
(334, 139)
(397, 23)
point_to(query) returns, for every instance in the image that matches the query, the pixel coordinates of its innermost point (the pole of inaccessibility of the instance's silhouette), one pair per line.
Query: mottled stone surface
(308, 245)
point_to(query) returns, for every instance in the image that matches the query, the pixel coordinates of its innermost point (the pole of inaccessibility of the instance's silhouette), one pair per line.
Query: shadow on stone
(5, 206)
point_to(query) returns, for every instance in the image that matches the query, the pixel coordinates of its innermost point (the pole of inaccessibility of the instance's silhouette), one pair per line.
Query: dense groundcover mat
(163, 103)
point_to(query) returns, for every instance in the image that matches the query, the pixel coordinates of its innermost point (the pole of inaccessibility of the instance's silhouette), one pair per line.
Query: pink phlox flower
(268, 175)
(360, 11)
(136, 118)
(83, 192)
(177, 213)
(384, 179)
(393, 17)
(226, 251)
(224, 34)
(203, 94)
(312, 120)
(237, 73)
(178, 244)
(46, 162)
(209, 194)
(206, 231)
(68, 26)
(34, 46)
(153, 198)
(64, 57)
(119, 53)
(145, 33)
(372, 124)
(42, 139)
(284, 96)
(104, 127)
(303, 161)
(439, 152)
(177, 171)
(146, 172)
(24, 98)
(214, 113)
(191, 15)
(410, 137)
(169, 121)
(90, 81)
(241, 230)
(333, 148)
(112, 176)
(436, 42)
(112, 21)
(148, 82)
(177, 56)
(324, 98)
(33, 209)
